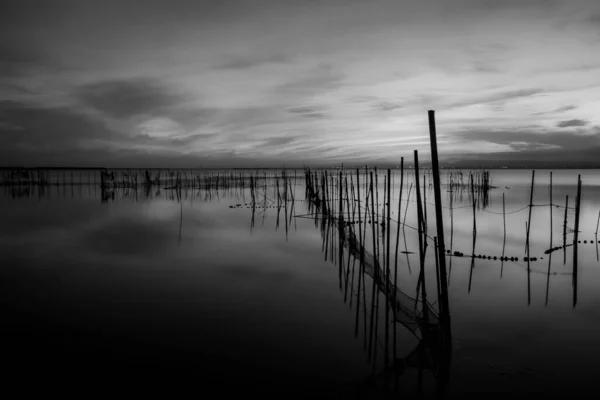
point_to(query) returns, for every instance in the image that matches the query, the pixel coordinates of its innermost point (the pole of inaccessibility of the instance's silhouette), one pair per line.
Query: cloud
(19, 61)
(498, 99)
(252, 61)
(572, 122)
(386, 106)
(129, 97)
(557, 110)
(594, 19)
(278, 141)
(60, 135)
(172, 142)
(361, 99)
(533, 138)
(59, 127)
(484, 67)
(316, 80)
(314, 112)
(53, 135)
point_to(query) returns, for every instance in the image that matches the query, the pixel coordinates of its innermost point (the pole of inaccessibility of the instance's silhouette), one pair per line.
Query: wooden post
(439, 218)
(473, 199)
(376, 193)
(551, 210)
(340, 226)
(565, 231)
(362, 252)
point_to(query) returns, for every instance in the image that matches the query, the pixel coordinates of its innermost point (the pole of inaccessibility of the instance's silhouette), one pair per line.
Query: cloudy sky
(276, 82)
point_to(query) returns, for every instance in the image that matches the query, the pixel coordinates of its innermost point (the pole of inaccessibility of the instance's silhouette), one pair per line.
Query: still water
(194, 291)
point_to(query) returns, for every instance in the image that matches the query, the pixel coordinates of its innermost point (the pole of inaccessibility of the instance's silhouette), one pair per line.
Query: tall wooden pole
(439, 216)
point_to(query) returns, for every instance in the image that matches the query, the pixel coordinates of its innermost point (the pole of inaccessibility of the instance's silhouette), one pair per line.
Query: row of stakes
(456, 253)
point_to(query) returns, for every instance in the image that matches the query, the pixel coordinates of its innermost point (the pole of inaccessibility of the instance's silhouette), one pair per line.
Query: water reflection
(427, 355)
(492, 322)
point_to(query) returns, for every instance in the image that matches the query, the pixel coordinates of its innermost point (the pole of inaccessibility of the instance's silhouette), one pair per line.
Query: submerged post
(439, 218)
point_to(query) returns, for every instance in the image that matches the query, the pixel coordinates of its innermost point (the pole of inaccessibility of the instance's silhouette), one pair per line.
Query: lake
(157, 289)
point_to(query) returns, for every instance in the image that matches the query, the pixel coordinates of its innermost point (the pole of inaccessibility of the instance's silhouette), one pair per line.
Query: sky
(223, 83)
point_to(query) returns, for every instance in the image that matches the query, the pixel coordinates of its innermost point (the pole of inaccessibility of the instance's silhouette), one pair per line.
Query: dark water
(177, 292)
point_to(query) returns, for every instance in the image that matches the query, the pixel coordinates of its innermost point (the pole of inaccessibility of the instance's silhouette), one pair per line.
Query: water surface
(188, 289)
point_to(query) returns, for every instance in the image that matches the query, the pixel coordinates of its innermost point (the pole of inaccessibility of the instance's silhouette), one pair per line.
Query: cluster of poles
(337, 200)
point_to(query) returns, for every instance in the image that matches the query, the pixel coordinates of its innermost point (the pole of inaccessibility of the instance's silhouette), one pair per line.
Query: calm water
(160, 291)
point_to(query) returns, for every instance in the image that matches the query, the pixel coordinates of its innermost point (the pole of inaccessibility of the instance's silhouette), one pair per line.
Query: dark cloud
(28, 126)
(563, 109)
(302, 110)
(486, 68)
(315, 115)
(126, 98)
(594, 19)
(557, 110)
(361, 99)
(386, 106)
(572, 122)
(314, 112)
(499, 98)
(19, 61)
(240, 62)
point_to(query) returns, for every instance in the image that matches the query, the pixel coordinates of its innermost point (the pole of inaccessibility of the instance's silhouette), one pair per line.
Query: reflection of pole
(387, 264)
(375, 264)
(421, 238)
(340, 226)
(527, 239)
(396, 252)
